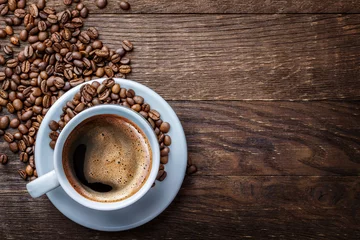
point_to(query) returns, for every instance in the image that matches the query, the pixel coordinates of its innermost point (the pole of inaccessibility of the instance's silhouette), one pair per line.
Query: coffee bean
(4, 122)
(54, 135)
(93, 33)
(16, 21)
(22, 145)
(8, 137)
(67, 2)
(18, 135)
(164, 152)
(152, 123)
(52, 144)
(29, 170)
(2, 33)
(155, 115)
(101, 3)
(41, 4)
(191, 169)
(9, 30)
(12, 5)
(53, 125)
(165, 127)
(13, 147)
(8, 50)
(27, 115)
(21, 4)
(3, 158)
(23, 35)
(164, 160)
(127, 45)
(163, 176)
(145, 107)
(18, 105)
(14, 40)
(23, 129)
(8, 21)
(14, 123)
(20, 13)
(22, 174)
(24, 157)
(4, 9)
(124, 69)
(34, 11)
(10, 108)
(124, 5)
(2, 62)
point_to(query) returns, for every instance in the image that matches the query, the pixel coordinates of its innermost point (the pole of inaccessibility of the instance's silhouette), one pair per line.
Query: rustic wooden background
(267, 92)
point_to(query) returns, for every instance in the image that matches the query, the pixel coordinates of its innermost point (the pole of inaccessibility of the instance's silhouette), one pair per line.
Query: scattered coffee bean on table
(101, 3)
(124, 5)
(110, 92)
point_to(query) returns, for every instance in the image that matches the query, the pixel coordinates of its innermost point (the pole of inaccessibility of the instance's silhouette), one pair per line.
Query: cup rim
(100, 110)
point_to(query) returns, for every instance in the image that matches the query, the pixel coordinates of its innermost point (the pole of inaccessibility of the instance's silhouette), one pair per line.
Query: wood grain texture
(232, 138)
(237, 57)
(225, 6)
(214, 207)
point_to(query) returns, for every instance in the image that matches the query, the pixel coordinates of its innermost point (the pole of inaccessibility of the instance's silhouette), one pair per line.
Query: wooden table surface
(267, 92)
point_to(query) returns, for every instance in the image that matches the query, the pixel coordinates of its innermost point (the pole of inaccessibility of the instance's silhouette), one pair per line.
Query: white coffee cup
(57, 177)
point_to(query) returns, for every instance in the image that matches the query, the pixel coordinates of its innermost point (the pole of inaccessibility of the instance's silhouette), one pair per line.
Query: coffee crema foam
(117, 154)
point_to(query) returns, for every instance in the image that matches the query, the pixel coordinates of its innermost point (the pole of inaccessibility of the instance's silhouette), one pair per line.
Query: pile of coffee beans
(109, 92)
(60, 54)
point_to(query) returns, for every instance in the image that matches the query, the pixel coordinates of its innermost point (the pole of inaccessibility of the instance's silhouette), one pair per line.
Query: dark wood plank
(226, 6)
(210, 207)
(232, 138)
(237, 57)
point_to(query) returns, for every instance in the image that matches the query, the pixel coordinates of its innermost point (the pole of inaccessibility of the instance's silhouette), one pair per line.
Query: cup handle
(43, 184)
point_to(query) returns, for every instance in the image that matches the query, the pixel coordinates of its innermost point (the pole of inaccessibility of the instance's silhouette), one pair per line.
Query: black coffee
(107, 158)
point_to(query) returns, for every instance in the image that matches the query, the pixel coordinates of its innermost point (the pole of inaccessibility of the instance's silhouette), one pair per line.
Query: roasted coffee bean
(46, 101)
(67, 2)
(8, 137)
(24, 157)
(124, 69)
(23, 35)
(153, 114)
(164, 160)
(139, 99)
(22, 145)
(2, 62)
(165, 151)
(14, 123)
(8, 21)
(32, 131)
(75, 82)
(16, 21)
(93, 33)
(84, 12)
(3, 102)
(2, 33)
(8, 50)
(165, 127)
(20, 13)
(29, 170)
(4, 9)
(10, 108)
(13, 147)
(54, 135)
(167, 140)
(152, 123)
(3, 158)
(191, 169)
(12, 5)
(127, 45)
(22, 174)
(11, 63)
(18, 135)
(18, 104)
(34, 11)
(23, 129)
(136, 107)
(125, 61)
(21, 4)
(124, 5)
(101, 3)
(27, 115)
(9, 30)
(4, 122)
(53, 125)
(41, 4)
(52, 144)
(162, 177)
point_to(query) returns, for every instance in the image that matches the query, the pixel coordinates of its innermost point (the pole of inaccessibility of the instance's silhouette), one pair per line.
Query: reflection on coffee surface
(107, 158)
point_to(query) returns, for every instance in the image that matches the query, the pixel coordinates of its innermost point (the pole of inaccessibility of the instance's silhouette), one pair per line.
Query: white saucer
(144, 210)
